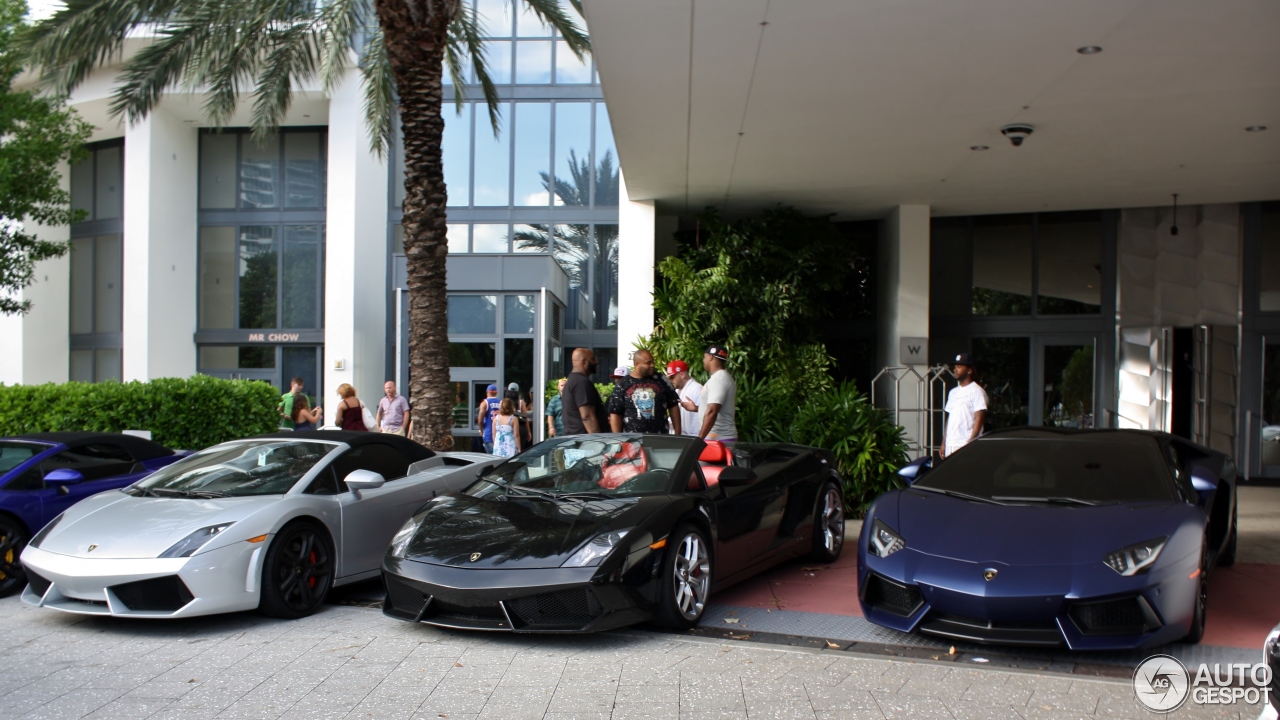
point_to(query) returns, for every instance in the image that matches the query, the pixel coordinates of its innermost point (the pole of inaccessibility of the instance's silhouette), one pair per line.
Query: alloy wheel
(832, 521)
(12, 542)
(303, 570)
(692, 571)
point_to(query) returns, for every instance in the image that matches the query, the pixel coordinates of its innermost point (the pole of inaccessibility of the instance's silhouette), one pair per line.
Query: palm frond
(465, 38)
(379, 94)
(552, 13)
(291, 58)
(340, 23)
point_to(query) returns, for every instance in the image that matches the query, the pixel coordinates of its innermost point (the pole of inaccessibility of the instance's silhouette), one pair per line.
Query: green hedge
(189, 413)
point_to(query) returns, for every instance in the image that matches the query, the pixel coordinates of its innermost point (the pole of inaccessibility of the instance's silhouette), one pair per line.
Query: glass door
(1004, 372)
(1066, 371)
(1267, 439)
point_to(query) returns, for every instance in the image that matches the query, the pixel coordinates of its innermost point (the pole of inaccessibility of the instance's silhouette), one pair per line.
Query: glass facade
(97, 264)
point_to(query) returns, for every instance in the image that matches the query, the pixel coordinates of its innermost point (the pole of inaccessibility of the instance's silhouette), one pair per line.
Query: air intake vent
(39, 585)
(404, 598)
(892, 597)
(1126, 616)
(160, 594)
(564, 610)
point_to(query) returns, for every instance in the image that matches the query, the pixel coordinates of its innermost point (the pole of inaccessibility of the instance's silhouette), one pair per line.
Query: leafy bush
(759, 286)
(189, 413)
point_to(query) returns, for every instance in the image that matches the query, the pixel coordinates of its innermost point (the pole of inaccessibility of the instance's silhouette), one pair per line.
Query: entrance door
(1266, 429)
(1065, 369)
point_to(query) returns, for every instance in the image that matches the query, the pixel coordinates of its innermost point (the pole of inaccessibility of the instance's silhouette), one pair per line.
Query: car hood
(118, 525)
(517, 533)
(1026, 535)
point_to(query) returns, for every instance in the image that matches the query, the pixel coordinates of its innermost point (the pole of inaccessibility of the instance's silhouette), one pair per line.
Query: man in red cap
(690, 395)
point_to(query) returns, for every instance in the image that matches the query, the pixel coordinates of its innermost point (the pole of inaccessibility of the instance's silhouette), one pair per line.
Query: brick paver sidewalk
(351, 662)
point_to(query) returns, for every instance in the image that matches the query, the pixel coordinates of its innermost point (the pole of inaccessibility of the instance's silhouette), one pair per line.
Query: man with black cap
(966, 406)
(719, 399)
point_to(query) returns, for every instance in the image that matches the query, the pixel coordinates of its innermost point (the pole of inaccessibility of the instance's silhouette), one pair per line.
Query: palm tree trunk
(415, 34)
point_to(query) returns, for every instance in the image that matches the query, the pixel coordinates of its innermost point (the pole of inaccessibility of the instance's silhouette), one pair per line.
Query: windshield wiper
(1049, 500)
(960, 495)
(206, 494)
(585, 494)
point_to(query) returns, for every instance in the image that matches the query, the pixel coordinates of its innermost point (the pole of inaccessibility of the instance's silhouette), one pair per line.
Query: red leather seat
(622, 466)
(714, 458)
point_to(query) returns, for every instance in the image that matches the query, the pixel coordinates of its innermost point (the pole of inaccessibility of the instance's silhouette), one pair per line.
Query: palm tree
(571, 245)
(266, 48)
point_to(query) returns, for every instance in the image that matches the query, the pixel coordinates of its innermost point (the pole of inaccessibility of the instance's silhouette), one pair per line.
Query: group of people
(646, 402)
(504, 422)
(296, 412)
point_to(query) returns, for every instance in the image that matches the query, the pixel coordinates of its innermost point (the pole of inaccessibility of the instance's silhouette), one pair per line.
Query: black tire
(298, 571)
(1196, 633)
(1227, 557)
(685, 585)
(828, 524)
(13, 540)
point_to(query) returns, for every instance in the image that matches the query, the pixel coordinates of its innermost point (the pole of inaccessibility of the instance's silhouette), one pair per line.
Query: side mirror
(734, 476)
(364, 480)
(63, 477)
(1203, 481)
(914, 470)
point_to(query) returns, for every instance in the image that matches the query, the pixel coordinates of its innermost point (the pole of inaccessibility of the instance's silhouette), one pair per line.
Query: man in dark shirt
(583, 411)
(642, 402)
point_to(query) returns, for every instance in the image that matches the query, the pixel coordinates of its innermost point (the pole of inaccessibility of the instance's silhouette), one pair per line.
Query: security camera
(1016, 133)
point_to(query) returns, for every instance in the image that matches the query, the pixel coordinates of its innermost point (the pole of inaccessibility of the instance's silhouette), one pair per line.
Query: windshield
(1094, 469)
(261, 467)
(13, 453)
(620, 466)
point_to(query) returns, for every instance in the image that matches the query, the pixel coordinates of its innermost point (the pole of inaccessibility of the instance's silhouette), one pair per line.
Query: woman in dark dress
(350, 410)
(304, 418)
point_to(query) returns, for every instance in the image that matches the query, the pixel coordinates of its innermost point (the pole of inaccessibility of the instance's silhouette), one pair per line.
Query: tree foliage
(36, 134)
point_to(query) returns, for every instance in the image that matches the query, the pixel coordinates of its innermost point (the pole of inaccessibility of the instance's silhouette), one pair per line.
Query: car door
(371, 517)
(748, 522)
(104, 465)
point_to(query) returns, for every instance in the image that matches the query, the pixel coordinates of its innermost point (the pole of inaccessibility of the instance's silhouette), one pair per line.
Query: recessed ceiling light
(306, 116)
(979, 147)
(1089, 50)
(1255, 128)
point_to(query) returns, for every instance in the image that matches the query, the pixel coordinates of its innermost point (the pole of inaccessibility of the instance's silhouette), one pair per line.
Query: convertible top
(411, 449)
(140, 449)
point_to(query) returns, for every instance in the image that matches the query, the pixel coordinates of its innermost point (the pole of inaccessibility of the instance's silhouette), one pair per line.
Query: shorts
(394, 431)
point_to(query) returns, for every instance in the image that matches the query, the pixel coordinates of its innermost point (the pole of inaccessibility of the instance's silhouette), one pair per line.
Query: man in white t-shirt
(966, 407)
(719, 399)
(690, 395)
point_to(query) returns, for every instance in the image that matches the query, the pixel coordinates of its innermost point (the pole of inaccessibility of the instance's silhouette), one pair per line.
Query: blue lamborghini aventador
(1096, 539)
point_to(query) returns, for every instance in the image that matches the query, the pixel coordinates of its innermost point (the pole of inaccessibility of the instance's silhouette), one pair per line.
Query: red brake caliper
(311, 581)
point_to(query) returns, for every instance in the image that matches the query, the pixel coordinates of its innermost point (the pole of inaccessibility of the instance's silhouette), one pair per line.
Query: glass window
(605, 292)
(1068, 386)
(488, 238)
(528, 24)
(627, 467)
(1269, 237)
(569, 69)
(461, 405)
(257, 357)
(301, 275)
(108, 299)
(1069, 249)
(533, 62)
(300, 362)
(473, 354)
(529, 239)
(533, 153)
(950, 277)
(518, 315)
(498, 61)
(108, 195)
(82, 365)
(606, 159)
(397, 239)
(215, 357)
(82, 286)
(495, 16)
(304, 170)
(218, 170)
(573, 154)
(456, 149)
(492, 164)
(572, 252)
(255, 467)
(82, 186)
(397, 179)
(517, 359)
(106, 364)
(1004, 371)
(1002, 265)
(217, 278)
(459, 238)
(260, 172)
(385, 460)
(473, 314)
(258, 267)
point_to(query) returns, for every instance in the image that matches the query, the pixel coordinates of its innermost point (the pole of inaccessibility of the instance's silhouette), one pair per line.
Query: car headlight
(884, 541)
(187, 546)
(595, 551)
(1135, 559)
(400, 542)
(44, 532)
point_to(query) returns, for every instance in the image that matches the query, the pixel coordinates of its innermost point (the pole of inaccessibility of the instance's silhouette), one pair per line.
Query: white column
(160, 234)
(36, 345)
(356, 247)
(903, 309)
(635, 271)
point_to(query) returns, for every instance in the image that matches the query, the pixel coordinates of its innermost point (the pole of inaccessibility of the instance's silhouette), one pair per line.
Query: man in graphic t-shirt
(966, 406)
(641, 401)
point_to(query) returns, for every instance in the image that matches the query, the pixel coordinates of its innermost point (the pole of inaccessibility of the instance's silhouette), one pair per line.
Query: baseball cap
(677, 366)
(620, 371)
(514, 386)
(718, 351)
(964, 359)
(492, 388)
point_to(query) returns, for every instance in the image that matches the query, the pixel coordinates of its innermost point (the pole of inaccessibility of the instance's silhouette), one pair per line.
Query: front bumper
(543, 600)
(1082, 607)
(221, 580)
